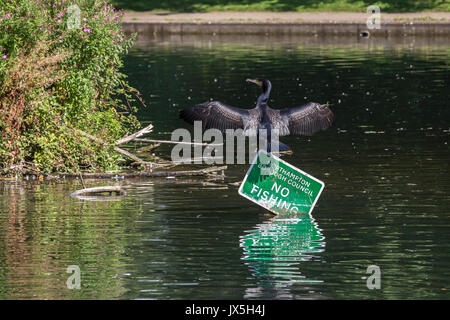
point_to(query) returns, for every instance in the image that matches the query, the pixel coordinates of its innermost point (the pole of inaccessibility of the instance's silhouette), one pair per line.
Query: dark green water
(385, 165)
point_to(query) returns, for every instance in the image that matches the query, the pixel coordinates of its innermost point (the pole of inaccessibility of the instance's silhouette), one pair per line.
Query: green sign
(280, 187)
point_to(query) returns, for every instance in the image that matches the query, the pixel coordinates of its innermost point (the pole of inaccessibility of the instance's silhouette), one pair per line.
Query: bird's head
(264, 84)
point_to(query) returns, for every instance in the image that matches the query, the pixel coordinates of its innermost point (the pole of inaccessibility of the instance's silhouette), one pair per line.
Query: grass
(424, 19)
(282, 5)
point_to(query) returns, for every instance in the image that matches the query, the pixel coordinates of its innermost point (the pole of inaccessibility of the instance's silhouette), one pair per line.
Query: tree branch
(97, 190)
(117, 149)
(145, 174)
(132, 137)
(179, 142)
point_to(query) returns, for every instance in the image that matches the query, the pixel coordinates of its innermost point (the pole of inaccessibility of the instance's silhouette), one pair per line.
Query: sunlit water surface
(385, 165)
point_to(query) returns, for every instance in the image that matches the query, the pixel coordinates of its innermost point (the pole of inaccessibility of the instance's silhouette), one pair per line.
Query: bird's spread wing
(304, 120)
(217, 115)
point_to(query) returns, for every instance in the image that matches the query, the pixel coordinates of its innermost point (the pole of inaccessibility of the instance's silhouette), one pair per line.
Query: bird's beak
(257, 82)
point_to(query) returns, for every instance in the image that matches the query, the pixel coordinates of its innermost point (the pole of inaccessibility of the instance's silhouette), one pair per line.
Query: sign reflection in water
(275, 250)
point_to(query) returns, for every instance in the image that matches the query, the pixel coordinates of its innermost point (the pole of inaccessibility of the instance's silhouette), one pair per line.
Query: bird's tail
(281, 147)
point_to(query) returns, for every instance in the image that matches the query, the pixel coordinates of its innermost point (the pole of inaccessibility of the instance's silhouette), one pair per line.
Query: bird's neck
(261, 101)
(263, 98)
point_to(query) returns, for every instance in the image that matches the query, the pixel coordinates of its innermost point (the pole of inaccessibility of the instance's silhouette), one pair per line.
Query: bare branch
(199, 172)
(97, 190)
(117, 149)
(179, 142)
(132, 137)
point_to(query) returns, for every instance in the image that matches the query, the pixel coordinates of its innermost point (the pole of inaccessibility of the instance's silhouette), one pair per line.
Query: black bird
(303, 120)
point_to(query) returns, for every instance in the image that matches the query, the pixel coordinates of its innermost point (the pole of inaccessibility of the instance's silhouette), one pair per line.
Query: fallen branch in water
(179, 142)
(86, 191)
(196, 160)
(136, 159)
(117, 149)
(148, 149)
(132, 137)
(143, 174)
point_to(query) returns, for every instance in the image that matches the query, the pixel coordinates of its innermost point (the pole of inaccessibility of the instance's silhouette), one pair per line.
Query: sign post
(280, 187)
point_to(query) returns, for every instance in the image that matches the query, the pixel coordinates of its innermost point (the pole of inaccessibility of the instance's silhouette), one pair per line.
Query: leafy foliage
(60, 72)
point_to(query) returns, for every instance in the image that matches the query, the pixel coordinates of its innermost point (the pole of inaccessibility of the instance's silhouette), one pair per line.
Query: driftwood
(99, 198)
(88, 191)
(132, 137)
(148, 165)
(117, 149)
(147, 149)
(135, 137)
(179, 142)
(196, 160)
(199, 172)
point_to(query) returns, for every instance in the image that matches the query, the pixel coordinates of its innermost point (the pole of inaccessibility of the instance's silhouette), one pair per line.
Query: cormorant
(303, 120)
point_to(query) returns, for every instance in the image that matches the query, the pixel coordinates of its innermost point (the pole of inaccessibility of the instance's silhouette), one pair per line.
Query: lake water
(385, 165)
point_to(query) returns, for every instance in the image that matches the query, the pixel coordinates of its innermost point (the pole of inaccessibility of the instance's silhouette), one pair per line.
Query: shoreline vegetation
(65, 107)
(60, 84)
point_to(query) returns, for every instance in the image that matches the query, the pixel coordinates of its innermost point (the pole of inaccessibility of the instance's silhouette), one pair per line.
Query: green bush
(57, 78)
